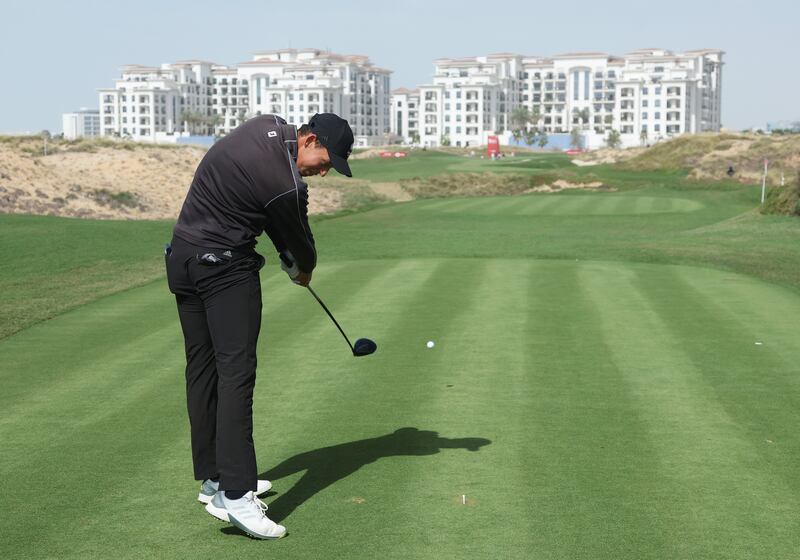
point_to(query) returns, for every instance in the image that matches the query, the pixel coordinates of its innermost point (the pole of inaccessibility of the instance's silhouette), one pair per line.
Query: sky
(55, 55)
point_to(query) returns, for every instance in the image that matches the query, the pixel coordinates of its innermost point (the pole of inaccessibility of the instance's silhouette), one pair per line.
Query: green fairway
(615, 375)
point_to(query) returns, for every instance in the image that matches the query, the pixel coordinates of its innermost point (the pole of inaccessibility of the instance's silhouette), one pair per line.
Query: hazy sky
(56, 54)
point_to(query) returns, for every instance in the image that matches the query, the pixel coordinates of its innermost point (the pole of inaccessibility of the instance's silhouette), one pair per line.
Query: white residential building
(196, 97)
(298, 83)
(647, 95)
(83, 123)
(404, 119)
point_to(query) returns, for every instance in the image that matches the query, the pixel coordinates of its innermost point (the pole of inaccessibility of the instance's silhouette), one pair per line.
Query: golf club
(363, 346)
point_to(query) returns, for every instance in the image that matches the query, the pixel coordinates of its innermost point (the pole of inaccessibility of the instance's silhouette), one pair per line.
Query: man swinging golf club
(248, 182)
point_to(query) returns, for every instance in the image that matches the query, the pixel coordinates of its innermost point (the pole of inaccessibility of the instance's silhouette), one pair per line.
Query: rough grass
(783, 200)
(475, 184)
(681, 153)
(34, 144)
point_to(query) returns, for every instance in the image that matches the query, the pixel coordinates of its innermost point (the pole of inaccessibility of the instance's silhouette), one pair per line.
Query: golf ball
(430, 344)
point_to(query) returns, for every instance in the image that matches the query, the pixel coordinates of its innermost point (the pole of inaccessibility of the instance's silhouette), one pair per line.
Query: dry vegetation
(97, 178)
(708, 156)
(490, 184)
(112, 179)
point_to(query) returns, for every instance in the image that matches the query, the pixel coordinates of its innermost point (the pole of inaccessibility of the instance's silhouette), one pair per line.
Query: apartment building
(198, 97)
(404, 120)
(296, 83)
(158, 104)
(83, 123)
(647, 95)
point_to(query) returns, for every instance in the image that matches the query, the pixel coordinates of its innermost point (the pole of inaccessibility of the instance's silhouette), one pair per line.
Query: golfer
(249, 182)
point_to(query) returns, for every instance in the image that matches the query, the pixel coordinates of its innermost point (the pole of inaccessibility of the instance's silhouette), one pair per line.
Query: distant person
(249, 182)
(730, 171)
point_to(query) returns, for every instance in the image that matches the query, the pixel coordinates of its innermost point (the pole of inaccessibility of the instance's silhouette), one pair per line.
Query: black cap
(335, 134)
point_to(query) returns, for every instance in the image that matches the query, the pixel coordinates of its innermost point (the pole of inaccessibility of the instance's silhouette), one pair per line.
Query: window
(644, 115)
(644, 103)
(658, 103)
(657, 115)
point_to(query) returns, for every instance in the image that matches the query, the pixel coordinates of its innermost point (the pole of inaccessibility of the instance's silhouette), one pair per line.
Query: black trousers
(218, 293)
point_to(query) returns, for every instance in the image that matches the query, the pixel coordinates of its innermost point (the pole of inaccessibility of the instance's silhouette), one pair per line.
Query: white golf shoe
(248, 513)
(209, 488)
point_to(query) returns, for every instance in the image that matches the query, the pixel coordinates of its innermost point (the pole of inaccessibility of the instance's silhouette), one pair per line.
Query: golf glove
(288, 265)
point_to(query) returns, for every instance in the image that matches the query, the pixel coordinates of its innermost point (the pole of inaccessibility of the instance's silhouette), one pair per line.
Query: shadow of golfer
(326, 465)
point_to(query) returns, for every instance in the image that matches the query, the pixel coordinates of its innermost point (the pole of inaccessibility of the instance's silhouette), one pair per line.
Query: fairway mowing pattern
(713, 464)
(597, 204)
(620, 410)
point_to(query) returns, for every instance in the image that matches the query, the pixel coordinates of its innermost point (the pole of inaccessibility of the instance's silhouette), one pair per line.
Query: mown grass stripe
(357, 398)
(580, 446)
(538, 204)
(760, 389)
(708, 460)
(464, 205)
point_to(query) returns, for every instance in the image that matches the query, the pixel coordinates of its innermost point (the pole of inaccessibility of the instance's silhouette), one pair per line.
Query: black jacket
(247, 183)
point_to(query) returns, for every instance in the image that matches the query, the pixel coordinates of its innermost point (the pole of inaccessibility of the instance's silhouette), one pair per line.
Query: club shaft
(316, 297)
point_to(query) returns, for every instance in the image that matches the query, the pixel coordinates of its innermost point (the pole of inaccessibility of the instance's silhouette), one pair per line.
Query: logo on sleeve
(272, 134)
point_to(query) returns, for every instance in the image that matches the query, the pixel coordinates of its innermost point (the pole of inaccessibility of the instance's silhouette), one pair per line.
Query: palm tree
(575, 137)
(583, 115)
(520, 117)
(530, 135)
(543, 139)
(190, 120)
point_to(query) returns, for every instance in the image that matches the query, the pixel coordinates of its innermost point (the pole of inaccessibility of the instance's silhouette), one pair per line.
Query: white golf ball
(430, 344)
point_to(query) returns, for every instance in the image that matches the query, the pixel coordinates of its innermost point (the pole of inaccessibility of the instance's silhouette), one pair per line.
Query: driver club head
(364, 347)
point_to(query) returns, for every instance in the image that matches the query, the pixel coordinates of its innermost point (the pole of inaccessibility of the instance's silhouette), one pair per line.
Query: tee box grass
(613, 376)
